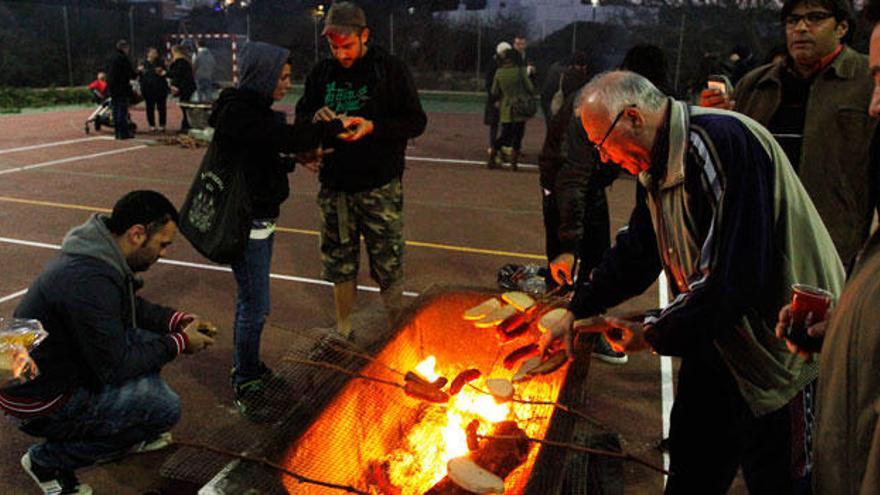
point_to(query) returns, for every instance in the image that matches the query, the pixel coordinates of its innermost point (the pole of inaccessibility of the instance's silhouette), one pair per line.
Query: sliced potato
(482, 309)
(500, 388)
(495, 316)
(523, 373)
(520, 300)
(470, 476)
(550, 318)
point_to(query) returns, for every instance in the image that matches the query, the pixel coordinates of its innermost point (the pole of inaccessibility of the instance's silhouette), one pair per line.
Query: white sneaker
(54, 481)
(158, 443)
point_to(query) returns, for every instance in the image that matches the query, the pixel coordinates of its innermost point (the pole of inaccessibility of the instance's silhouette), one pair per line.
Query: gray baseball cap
(344, 18)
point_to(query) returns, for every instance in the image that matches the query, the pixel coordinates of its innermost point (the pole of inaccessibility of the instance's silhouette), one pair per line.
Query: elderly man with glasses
(815, 103)
(720, 210)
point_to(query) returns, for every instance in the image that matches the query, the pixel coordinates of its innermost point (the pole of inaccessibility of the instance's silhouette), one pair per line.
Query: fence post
(131, 28)
(479, 47)
(67, 46)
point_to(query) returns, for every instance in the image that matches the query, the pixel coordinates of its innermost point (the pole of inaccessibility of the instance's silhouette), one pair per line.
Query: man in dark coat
(99, 394)
(119, 88)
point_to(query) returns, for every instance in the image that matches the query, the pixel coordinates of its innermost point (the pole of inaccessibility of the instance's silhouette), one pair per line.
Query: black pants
(511, 135)
(154, 104)
(120, 117)
(595, 229)
(184, 124)
(713, 432)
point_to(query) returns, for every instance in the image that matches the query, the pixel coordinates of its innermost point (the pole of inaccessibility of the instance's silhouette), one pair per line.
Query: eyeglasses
(600, 147)
(810, 18)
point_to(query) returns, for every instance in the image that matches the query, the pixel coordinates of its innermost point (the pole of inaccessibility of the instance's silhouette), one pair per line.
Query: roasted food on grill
(482, 309)
(520, 300)
(550, 363)
(500, 388)
(520, 354)
(514, 325)
(495, 316)
(463, 379)
(528, 365)
(550, 318)
(468, 475)
(418, 389)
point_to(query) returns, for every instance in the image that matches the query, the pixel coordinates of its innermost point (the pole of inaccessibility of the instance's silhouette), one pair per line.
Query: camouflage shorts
(377, 215)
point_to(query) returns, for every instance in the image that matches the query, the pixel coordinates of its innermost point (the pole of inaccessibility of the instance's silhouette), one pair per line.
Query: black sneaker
(54, 481)
(603, 352)
(251, 401)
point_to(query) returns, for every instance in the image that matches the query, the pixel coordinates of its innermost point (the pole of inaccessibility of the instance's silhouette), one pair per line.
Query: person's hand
(814, 329)
(199, 334)
(715, 98)
(627, 335)
(559, 330)
(360, 127)
(313, 160)
(324, 114)
(174, 90)
(561, 268)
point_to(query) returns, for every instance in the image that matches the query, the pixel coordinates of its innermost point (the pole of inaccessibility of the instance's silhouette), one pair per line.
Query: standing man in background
(361, 189)
(119, 88)
(203, 67)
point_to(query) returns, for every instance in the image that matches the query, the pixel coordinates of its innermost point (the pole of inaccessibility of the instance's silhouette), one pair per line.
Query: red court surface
(463, 222)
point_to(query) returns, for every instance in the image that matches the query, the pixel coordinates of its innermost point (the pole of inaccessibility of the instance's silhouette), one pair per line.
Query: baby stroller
(102, 116)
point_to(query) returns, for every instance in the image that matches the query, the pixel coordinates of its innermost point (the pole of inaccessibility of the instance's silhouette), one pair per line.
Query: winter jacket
(570, 168)
(724, 215)
(153, 85)
(203, 64)
(120, 75)
(836, 165)
(846, 445)
(87, 301)
(511, 82)
(180, 74)
(378, 87)
(249, 133)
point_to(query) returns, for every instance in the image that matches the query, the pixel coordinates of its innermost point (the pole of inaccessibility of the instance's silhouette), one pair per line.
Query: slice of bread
(482, 309)
(500, 388)
(520, 300)
(495, 316)
(470, 476)
(550, 318)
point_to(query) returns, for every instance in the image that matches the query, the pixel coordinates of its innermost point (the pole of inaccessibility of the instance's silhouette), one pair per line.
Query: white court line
(12, 296)
(71, 159)
(56, 143)
(456, 160)
(215, 268)
(666, 393)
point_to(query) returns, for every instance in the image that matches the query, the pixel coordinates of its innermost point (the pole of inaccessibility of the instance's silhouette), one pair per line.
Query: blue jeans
(251, 307)
(205, 90)
(93, 426)
(120, 116)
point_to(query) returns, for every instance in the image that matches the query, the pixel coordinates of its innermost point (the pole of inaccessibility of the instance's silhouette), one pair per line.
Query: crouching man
(99, 394)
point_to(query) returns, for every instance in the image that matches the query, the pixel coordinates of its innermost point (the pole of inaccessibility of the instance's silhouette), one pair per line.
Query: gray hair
(615, 90)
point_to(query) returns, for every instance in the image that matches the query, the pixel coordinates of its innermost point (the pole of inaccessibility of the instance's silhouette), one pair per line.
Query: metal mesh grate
(330, 428)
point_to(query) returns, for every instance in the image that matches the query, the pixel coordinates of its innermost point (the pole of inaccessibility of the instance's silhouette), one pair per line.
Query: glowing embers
(379, 440)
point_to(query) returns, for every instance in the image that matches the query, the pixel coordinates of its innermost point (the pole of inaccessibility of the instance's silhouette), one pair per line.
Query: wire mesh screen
(372, 436)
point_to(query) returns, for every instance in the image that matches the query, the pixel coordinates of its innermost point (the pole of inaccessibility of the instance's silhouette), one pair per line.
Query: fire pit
(375, 438)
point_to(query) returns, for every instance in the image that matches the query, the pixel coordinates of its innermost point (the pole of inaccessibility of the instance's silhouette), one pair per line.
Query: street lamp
(317, 15)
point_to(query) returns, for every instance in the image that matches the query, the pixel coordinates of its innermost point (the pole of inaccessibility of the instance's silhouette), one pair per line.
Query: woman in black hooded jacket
(251, 135)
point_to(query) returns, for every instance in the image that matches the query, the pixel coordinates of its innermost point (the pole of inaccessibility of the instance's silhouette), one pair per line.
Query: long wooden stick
(340, 369)
(364, 355)
(557, 405)
(267, 463)
(605, 453)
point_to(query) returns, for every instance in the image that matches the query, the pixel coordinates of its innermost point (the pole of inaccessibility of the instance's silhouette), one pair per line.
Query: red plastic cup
(808, 306)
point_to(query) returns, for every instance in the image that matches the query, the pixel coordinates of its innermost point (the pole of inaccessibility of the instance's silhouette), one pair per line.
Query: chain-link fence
(50, 44)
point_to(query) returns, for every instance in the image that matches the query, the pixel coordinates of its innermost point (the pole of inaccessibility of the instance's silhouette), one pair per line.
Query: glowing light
(426, 368)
